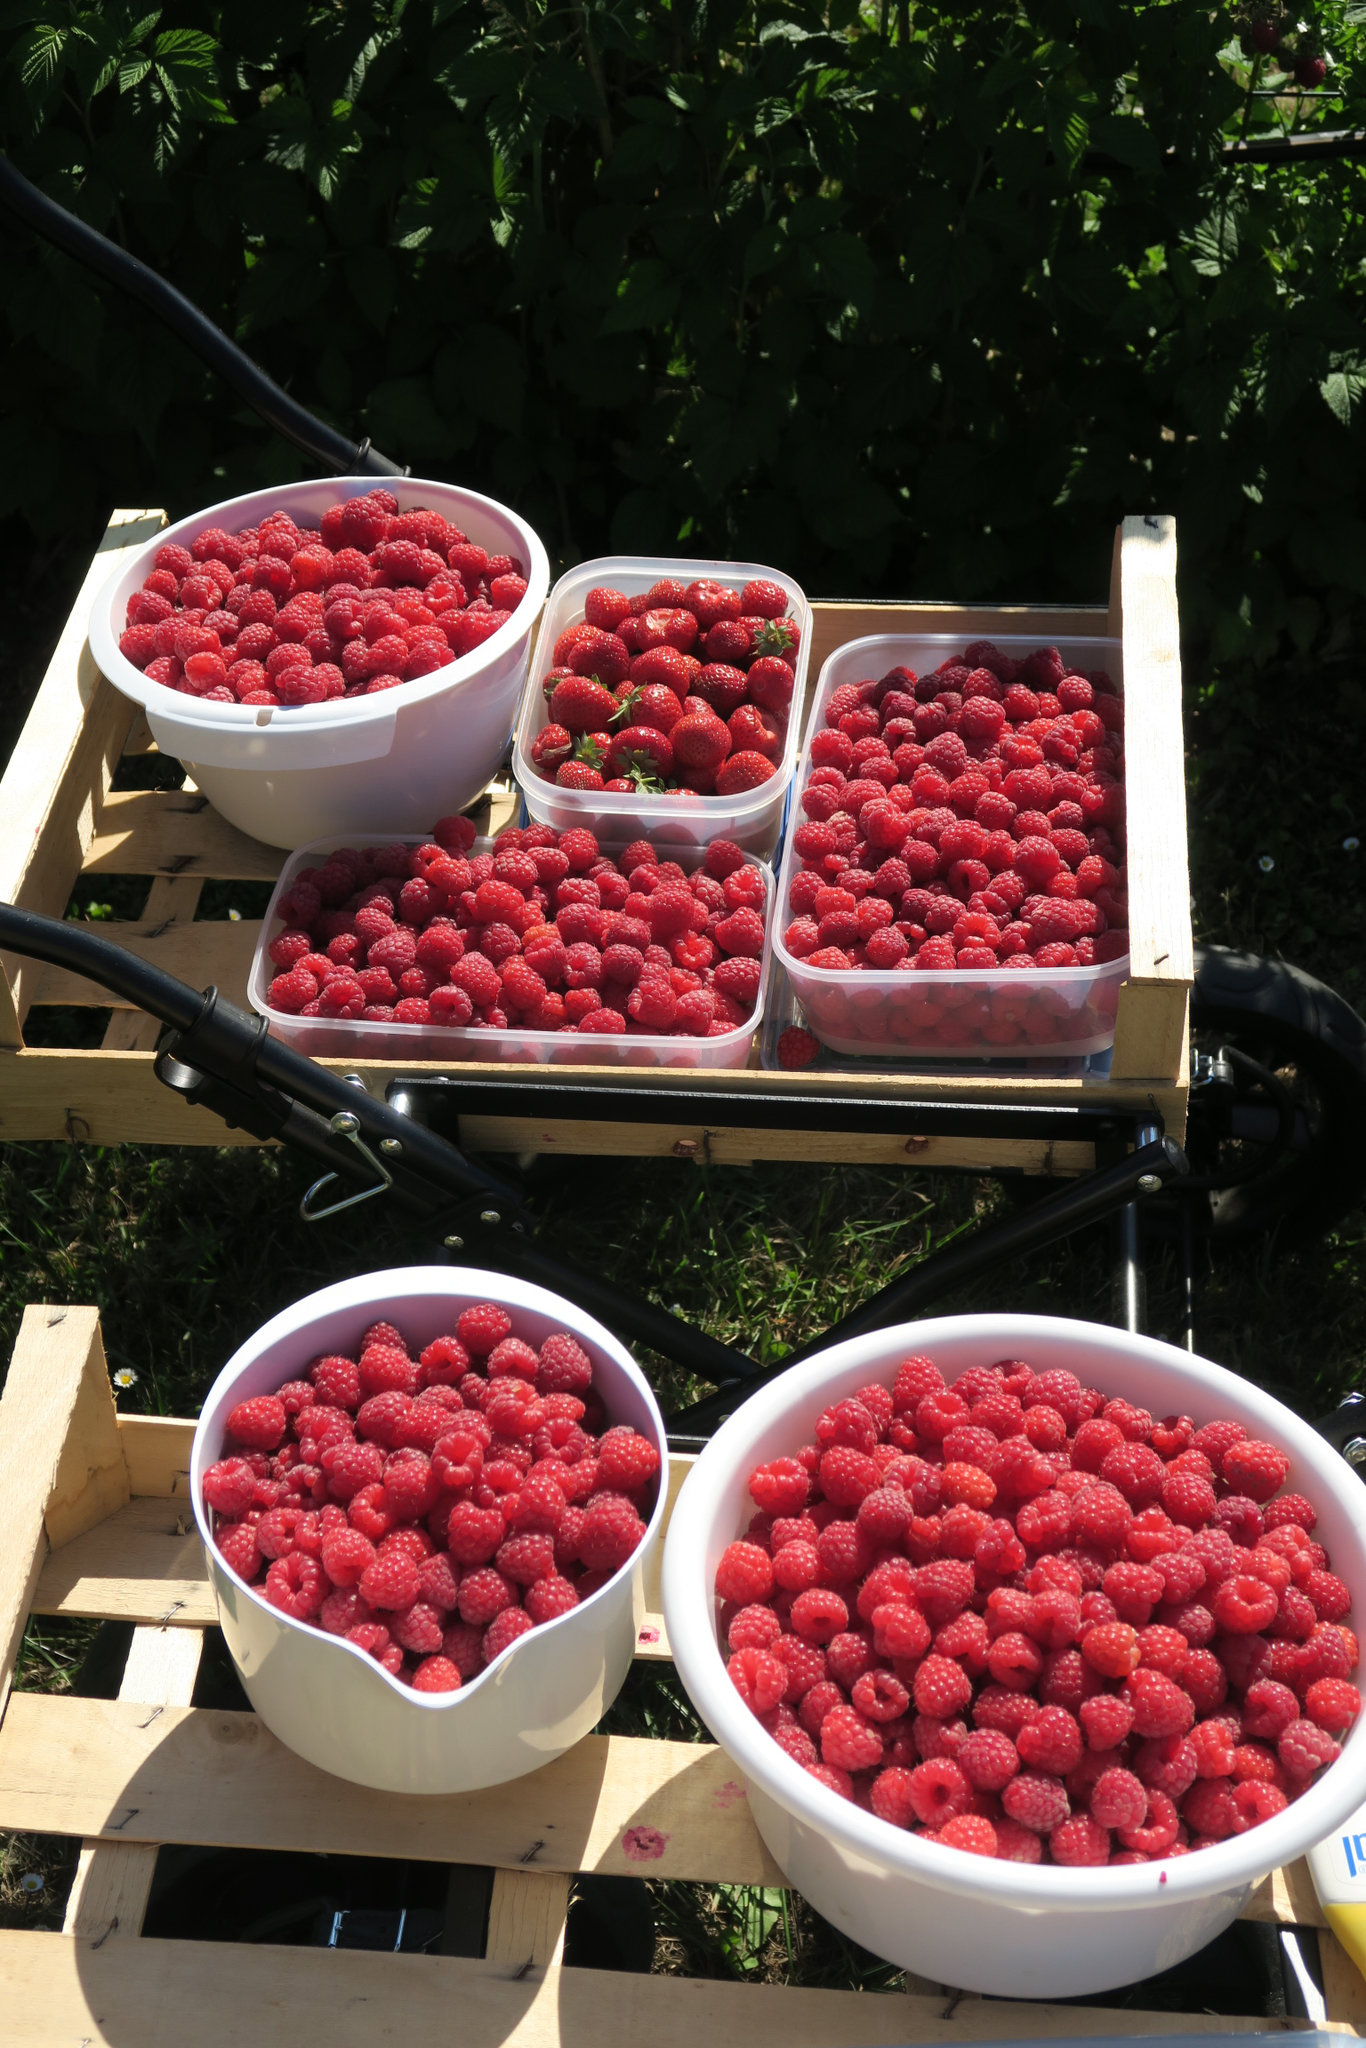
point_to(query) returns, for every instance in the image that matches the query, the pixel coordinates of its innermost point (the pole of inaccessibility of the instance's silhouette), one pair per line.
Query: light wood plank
(113, 1880)
(527, 1914)
(61, 766)
(628, 1807)
(1344, 1992)
(1287, 1896)
(175, 832)
(156, 1450)
(61, 1465)
(127, 1995)
(215, 950)
(715, 1145)
(172, 899)
(110, 1098)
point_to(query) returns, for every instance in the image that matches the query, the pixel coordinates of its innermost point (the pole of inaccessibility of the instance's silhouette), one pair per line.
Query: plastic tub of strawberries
(330, 656)
(953, 881)
(538, 946)
(1031, 1683)
(664, 701)
(427, 1499)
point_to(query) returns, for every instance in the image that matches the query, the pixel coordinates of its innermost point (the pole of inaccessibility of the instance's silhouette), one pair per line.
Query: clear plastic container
(967, 1014)
(356, 1038)
(753, 820)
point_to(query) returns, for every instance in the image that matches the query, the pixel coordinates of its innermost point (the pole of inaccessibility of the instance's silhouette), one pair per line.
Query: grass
(185, 1252)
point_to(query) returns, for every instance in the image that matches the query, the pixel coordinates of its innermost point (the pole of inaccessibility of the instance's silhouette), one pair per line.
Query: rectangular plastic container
(753, 820)
(975, 1014)
(355, 1038)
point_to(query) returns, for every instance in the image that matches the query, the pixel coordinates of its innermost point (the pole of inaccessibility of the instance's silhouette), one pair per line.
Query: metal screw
(1355, 1451)
(489, 1216)
(355, 1081)
(454, 1244)
(345, 1124)
(391, 1144)
(1148, 1183)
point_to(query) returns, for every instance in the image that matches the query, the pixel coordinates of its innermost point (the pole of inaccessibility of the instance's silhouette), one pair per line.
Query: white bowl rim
(160, 697)
(689, 1617)
(293, 1320)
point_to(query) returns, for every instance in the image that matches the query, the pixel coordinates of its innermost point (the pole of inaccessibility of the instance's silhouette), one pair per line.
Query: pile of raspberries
(688, 688)
(432, 1509)
(968, 819)
(283, 614)
(1023, 1620)
(543, 932)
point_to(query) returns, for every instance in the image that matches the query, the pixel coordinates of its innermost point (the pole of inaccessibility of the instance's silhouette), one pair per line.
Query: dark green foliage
(910, 300)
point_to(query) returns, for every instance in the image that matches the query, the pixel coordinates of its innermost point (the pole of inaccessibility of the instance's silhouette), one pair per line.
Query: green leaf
(647, 296)
(132, 72)
(40, 66)
(1341, 391)
(1129, 140)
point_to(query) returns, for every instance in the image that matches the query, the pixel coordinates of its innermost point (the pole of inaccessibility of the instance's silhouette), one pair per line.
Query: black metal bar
(1081, 1202)
(1129, 1271)
(337, 452)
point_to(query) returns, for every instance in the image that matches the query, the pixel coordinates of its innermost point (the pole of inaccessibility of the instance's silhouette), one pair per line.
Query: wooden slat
(1286, 1897)
(159, 1994)
(61, 1465)
(113, 1880)
(1344, 1991)
(61, 766)
(172, 899)
(175, 832)
(715, 1145)
(215, 950)
(630, 1808)
(109, 1098)
(156, 1450)
(527, 1914)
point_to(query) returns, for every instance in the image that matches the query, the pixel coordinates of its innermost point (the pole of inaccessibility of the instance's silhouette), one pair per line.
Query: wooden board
(59, 818)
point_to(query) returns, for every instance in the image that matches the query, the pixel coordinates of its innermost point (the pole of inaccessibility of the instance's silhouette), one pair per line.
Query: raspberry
(1107, 1720)
(846, 1475)
(848, 1741)
(504, 1630)
(1118, 1800)
(230, 1486)
(1254, 1802)
(1080, 1840)
(389, 1581)
(1330, 1596)
(1051, 1741)
(1208, 1809)
(436, 1674)
(969, 1831)
(1332, 1704)
(988, 1759)
(296, 1585)
(1037, 1802)
(760, 1679)
(941, 1687)
(939, 1791)
(237, 1543)
(346, 1556)
(483, 1326)
(1255, 1469)
(550, 1597)
(1016, 1844)
(1303, 1747)
(1111, 1648)
(611, 1532)
(1160, 1707)
(744, 1574)
(626, 1460)
(1289, 1509)
(900, 1631)
(848, 1656)
(259, 1423)
(1243, 1606)
(1158, 1831)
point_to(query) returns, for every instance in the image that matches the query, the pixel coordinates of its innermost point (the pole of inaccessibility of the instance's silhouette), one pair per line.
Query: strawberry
(723, 687)
(743, 771)
(666, 596)
(763, 600)
(552, 744)
(581, 704)
(607, 608)
(709, 601)
(663, 664)
(756, 730)
(569, 640)
(641, 748)
(731, 640)
(661, 628)
(557, 674)
(599, 654)
(593, 747)
(771, 683)
(658, 706)
(778, 636)
(700, 743)
(577, 775)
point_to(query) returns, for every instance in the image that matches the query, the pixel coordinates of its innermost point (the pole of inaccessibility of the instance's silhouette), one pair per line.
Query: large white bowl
(397, 761)
(1004, 1928)
(330, 1701)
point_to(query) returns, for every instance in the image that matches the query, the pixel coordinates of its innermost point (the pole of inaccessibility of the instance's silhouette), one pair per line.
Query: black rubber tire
(1284, 1017)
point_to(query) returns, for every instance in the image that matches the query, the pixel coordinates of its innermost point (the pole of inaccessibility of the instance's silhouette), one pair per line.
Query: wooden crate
(97, 1524)
(61, 819)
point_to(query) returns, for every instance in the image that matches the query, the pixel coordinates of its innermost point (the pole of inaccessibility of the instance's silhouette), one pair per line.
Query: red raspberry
(969, 1831)
(627, 1461)
(418, 1628)
(943, 1588)
(760, 1679)
(848, 1656)
(1208, 1809)
(259, 1423)
(1107, 1720)
(1111, 1648)
(347, 1556)
(526, 1558)
(1080, 1840)
(1213, 1744)
(483, 1326)
(1188, 1498)
(1051, 1741)
(1016, 1844)
(230, 1486)
(474, 1533)
(1330, 1596)
(389, 1581)
(880, 1696)
(939, 1791)
(237, 1543)
(1036, 1802)
(892, 1799)
(436, 1674)
(1243, 1606)
(1254, 1802)
(900, 1630)
(504, 1630)
(744, 1574)
(988, 1759)
(1303, 1747)
(846, 1475)
(848, 1741)
(1255, 1469)
(941, 1687)
(484, 1593)
(1290, 1509)
(1160, 1706)
(612, 1531)
(296, 1585)
(1118, 1800)
(1333, 1704)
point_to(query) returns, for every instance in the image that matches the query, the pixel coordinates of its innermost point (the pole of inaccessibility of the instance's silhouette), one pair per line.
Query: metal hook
(346, 1124)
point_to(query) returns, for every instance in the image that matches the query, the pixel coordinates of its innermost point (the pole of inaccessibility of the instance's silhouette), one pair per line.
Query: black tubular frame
(335, 451)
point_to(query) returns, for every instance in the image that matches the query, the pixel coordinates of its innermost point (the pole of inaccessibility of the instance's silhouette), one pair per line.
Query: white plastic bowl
(396, 761)
(327, 1699)
(1004, 1928)
(752, 820)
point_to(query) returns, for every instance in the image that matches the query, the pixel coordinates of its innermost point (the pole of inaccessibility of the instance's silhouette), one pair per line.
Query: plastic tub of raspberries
(664, 700)
(954, 882)
(540, 945)
(427, 1498)
(330, 656)
(1031, 1639)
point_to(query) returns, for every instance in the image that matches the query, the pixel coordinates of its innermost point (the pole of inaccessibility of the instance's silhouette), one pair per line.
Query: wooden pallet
(97, 1524)
(60, 819)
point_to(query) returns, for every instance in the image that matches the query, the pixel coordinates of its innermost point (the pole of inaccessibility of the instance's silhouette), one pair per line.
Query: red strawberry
(763, 600)
(552, 744)
(655, 705)
(569, 640)
(730, 640)
(723, 687)
(606, 608)
(663, 664)
(600, 654)
(700, 743)
(661, 628)
(553, 676)
(742, 772)
(771, 682)
(778, 636)
(577, 775)
(664, 596)
(581, 704)
(709, 601)
(642, 750)
(754, 730)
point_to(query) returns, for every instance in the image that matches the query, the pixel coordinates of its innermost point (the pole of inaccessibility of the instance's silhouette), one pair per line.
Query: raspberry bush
(432, 1505)
(1027, 1621)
